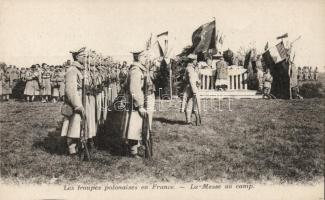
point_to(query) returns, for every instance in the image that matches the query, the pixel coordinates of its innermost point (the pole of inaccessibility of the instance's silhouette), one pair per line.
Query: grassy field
(259, 141)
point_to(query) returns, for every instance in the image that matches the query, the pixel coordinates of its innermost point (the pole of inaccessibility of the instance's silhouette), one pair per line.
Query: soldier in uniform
(259, 74)
(46, 82)
(2, 65)
(14, 78)
(55, 85)
(123, 75)
(6, 83)
(315, 74)
(309, 73)
(73, 101)
(61, 82)
(32, 87)
(299, 76)
(304, 73)
(113, 83)
(135, 95)
(294, 86)
(221, 73)
(191, 98)
(268, 79)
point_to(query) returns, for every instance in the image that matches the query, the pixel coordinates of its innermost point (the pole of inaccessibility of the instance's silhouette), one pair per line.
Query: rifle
(146, 137)
(84, 152)
(196, 102)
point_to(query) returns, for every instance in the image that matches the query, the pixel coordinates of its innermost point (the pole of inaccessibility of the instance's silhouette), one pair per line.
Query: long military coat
(6, 86)
(132, 126)
(32, 85)
(46, 82)
(192, 87)
(73, 93)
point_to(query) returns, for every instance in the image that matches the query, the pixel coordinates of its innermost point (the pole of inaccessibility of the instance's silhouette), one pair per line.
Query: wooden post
(170, 81)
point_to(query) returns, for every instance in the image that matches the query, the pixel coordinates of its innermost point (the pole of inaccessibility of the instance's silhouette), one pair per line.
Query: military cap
(79, 52)
(136, 54)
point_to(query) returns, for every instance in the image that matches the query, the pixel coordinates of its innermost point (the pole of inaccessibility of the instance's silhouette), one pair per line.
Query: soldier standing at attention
(268, 79)
(259, 74)
(221, 73)
(294, 86)
(123, 75)
(60, 80)
(191, 98)
(6, 83)
(2, 65)
(73, 101)
(315, 74)
(136, 97)
(32, 85)
(304, 73)
(309, 73)
(14, 78)
(55, 85)
(299, 76)
(46, 82)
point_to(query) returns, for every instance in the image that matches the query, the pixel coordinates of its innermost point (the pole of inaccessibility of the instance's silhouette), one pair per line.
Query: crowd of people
(307, 73)
(46, 83)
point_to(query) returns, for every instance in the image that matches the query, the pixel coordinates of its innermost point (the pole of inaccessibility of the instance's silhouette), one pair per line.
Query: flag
(148, 43)
(162, 34)
(266, 46)
(203, 38)
(161, 52)
(221, 40)
(282, 36)
(162, 39)
(283, 52)
(276, 54)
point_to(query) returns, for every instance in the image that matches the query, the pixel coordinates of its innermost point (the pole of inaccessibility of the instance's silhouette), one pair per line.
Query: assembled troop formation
(46, 83)
(307, 73)
(92, 85)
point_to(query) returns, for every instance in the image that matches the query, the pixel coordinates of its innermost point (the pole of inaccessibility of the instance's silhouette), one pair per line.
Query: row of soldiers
(31, 83)
(307, 73)
(90, 83)
(46, 83)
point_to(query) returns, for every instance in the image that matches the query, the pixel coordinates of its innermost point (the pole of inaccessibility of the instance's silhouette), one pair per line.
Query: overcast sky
(45, 31)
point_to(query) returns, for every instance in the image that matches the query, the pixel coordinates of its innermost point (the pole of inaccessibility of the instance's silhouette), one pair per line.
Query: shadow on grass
(108, 138)
(109, 135)
(168, 121)
(54, 143)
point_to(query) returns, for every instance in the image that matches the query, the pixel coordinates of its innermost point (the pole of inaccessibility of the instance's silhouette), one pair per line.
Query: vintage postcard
(148, 99)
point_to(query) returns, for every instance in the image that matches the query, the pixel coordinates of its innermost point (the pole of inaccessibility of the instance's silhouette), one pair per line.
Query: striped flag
(276, 54)
(283, 52)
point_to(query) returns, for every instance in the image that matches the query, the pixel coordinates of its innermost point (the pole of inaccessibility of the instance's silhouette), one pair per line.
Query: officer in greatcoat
(135, 94)
(46, 82)
(74, 109)
(191, 97)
